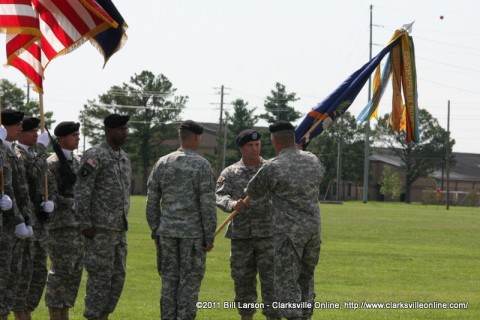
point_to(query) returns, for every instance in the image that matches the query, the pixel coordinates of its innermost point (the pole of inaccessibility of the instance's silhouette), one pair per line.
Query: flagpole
(42, 130)
(366, 163)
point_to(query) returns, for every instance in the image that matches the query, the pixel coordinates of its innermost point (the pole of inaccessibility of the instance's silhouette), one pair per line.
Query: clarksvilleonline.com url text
(333, 305)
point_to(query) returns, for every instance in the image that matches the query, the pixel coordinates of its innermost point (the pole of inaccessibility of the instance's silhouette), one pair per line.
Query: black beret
(30, 123)
(65, 128)
(247, 136)
(10, 117)
(115, 120)
(281, 125)
(192, 126)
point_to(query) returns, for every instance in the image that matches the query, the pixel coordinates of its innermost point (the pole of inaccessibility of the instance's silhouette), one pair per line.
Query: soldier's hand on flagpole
(43, 139)
(48, 206)
(5, 203)
(240, 205)
(3, 133)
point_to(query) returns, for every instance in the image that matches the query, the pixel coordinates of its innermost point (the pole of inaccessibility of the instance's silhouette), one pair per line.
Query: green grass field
(373, 253)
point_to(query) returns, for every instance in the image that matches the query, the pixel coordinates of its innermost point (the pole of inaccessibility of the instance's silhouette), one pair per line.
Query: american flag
(61, 26)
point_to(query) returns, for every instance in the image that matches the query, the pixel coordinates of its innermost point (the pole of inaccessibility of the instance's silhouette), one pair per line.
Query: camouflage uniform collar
(288, 150)
(117, 154)
(259, 164)
(187, 150)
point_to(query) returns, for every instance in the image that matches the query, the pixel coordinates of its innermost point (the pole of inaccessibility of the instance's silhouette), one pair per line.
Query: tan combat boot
(55, 313)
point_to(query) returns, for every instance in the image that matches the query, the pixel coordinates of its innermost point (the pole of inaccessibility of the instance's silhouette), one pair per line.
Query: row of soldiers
(50, 208)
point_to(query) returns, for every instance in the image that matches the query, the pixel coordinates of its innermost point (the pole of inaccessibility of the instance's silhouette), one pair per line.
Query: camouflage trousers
(7, 242)
(65, 248)
(105, 262)
(247, 258)
(33, 272)
(295, 259)
(183, 268)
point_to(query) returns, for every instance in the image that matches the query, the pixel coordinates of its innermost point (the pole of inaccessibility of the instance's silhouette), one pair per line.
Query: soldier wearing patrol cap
(102, 198)
(182, 217)
(251, 230)
(32, 150)
(18, 225)
(292, 180)
(65, 242)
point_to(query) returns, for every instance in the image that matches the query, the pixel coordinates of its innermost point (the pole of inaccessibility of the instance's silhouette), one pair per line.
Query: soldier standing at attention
(21, 222)
(182, 216)
(65, 242)
(251, 231)
(102, 197)
(292, 180)
(32, 151)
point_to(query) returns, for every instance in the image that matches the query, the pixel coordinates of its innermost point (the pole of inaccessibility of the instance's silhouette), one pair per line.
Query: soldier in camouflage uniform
(182, 216)
(65, 242)
(10, 216)
(251, 230)
(22, 224)
(292, 180)
(34, 259)
(102, 197)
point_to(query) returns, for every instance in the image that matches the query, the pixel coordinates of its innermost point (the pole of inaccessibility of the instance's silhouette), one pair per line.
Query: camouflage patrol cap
(247, 136)
(115, 120)
(192, 126)
(280, 126)
(11, 117)
(65, 128)
(30, 123)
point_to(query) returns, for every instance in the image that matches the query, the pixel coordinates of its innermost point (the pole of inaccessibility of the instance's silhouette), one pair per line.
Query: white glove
(43, 139)
(3, 133)
(21, 231)
(47, 206)
(30, 231)
(74, 206)
(5, 203)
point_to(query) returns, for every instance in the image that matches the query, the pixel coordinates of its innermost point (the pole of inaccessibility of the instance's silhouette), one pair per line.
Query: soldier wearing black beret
(11, 117)
(65, 128)
(191, 126)
(30, 123)
(247, 136)
(116, 120)
(102, 199)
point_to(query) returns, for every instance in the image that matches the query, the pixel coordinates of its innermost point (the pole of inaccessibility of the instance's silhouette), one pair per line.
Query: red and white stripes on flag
(62, 26)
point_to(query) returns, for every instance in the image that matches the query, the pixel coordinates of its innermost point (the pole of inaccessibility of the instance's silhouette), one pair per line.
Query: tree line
(153, 105)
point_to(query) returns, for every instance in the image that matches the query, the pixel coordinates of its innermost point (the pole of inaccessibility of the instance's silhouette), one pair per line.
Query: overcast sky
(249, 45)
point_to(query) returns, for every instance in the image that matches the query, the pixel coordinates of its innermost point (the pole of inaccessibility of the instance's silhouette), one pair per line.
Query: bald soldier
(292, 182)
(102, 197)
(182, 217)
(65, 242)
(250, 231)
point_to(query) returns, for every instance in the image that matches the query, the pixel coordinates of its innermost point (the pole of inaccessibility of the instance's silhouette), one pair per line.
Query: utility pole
(366, 164)
(447, 156)
(220, 132)
(224, 140)
(339, 160)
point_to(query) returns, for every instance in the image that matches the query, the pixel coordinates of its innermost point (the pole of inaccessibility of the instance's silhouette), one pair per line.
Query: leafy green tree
(390, 184)
(346, 132)
(278, 106)
(13, 97)
(241, 119)
(152, 105)
(422, 158)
